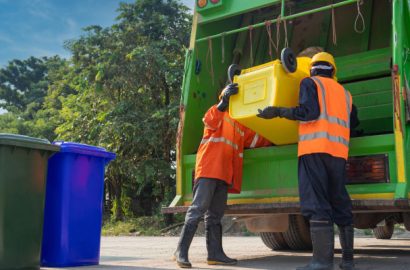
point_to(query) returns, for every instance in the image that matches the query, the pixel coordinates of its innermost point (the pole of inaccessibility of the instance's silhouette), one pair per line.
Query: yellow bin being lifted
(268, 85)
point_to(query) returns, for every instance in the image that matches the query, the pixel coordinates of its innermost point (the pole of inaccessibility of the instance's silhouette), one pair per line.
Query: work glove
(272, 112)
(268, 113)
(227, 92)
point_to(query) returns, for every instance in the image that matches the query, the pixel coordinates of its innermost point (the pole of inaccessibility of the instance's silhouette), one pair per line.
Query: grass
(141, 226)
(148, 226)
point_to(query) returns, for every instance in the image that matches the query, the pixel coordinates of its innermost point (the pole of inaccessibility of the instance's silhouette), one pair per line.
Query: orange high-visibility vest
(220, 154)
(330, 133)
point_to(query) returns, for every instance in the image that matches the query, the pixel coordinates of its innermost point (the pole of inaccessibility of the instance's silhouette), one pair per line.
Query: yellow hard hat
(324, 57)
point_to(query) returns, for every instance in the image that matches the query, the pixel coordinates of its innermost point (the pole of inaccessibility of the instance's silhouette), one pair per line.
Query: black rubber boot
(323, 247)
(216, 254)
(185, 240)
(346, 238)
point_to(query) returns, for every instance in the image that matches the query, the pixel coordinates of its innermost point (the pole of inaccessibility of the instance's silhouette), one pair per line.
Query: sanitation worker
(218, 171)
(326, 116)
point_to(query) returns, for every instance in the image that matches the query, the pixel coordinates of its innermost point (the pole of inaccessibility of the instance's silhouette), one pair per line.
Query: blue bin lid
(84, 149)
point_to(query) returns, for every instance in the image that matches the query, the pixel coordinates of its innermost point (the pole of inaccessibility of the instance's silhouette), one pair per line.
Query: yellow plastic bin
(268, 85)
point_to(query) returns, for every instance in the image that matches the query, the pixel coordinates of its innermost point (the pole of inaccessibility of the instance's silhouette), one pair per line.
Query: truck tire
(274, 240)
(298, 234)
(384, 232)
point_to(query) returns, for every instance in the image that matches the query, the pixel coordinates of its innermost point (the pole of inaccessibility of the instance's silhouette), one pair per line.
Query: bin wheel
(384, 232)
(274, 240)
(298, 234)
(288, 59)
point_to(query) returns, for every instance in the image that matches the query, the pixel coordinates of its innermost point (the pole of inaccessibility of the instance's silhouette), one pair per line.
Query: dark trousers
(322, 191)
(210, 196)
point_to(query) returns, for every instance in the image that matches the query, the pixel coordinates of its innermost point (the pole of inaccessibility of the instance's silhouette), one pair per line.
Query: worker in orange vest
(218, 171)
(326, 116)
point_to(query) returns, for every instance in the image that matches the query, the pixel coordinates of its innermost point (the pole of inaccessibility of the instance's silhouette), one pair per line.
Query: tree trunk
(118, 211)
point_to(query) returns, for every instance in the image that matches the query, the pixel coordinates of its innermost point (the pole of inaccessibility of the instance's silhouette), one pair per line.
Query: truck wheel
(384, 232)
(298, 234)
(274, 240)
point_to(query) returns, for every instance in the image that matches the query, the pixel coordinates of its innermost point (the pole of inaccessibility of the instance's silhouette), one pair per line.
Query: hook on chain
(271, 44)
(359, 17)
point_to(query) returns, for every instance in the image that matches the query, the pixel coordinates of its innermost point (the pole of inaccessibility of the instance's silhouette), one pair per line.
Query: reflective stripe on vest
(220, 139)
(324, 115)
(325, 135)
(329, 127)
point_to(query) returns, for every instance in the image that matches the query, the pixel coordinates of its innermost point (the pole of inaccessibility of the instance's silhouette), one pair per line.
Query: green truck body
(372, 54)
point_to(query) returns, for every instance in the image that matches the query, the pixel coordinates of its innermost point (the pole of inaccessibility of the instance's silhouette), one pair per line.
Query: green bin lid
(27, 142)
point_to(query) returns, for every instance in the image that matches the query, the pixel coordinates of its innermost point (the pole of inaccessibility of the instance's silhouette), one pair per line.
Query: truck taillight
(215, 1)
(368, 169)
(202, 3)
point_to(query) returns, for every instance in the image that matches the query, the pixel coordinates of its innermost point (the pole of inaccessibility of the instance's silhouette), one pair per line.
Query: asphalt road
(136, 253)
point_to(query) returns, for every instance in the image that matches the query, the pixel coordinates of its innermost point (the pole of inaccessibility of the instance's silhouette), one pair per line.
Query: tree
(127, 82)
(24, 85)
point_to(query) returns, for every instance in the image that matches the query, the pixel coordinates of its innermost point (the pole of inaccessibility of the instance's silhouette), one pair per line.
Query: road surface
(137, 253)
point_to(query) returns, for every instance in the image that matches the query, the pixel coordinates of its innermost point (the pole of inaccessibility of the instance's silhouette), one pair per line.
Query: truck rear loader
(371, 43)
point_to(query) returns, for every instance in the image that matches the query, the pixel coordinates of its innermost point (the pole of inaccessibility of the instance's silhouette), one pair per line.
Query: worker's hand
(227, 92)
(269, 112)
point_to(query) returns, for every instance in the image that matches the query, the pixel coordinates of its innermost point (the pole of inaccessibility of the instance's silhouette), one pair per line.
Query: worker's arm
(254, 140)
(213, 118)
(354, 123)
(307, 110)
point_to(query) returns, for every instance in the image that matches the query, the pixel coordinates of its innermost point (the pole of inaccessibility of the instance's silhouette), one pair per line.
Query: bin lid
(84, 149)
(27, 142)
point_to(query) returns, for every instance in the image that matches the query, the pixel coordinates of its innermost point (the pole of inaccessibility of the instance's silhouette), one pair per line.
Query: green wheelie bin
(23, 169)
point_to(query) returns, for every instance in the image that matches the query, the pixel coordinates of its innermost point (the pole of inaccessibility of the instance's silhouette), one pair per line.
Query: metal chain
(334, 27)
(210, 55)
(278, 34)
(286, 34)
(270, 41)
(251, 44)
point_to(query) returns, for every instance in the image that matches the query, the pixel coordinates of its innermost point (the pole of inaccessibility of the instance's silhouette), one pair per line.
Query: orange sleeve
(213, 118)
(254, 140)
(262, 142)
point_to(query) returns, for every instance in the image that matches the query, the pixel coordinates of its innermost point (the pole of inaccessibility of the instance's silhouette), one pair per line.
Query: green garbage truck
(370, 40)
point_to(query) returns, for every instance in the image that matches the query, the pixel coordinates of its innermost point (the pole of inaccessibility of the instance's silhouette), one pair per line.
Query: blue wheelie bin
(74, 205)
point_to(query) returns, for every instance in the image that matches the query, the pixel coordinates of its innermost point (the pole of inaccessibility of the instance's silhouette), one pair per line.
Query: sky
(40, 27)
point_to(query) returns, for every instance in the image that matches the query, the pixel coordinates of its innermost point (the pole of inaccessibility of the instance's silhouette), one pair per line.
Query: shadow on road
(290, 261)
(106, 259)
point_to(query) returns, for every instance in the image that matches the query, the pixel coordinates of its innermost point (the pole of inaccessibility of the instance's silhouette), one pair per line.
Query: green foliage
(149, 226)
(119, 90)
(23, 84)
(24, 92)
